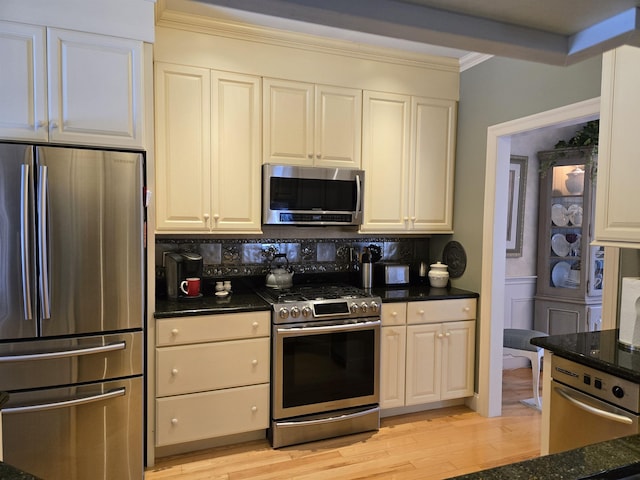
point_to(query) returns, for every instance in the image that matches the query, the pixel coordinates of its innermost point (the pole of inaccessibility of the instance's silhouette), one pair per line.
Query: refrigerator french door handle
(66, 403)
(65, 353)
(43, 252)
(25, 241)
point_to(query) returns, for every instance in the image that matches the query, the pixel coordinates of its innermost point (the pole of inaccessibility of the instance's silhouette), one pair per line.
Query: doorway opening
(499, 139)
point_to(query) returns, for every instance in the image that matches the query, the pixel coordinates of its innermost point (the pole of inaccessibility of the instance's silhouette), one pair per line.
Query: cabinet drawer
(207, 366)
(198, 416)
(436, 311)
(209, 328)
(394, 314)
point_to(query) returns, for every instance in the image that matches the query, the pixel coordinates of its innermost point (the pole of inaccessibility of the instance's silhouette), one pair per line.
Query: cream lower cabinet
(212, 376)
(432, 357)
(617, 219)
(311, 125)
(408, 153)
(70, 87)
(208, 176)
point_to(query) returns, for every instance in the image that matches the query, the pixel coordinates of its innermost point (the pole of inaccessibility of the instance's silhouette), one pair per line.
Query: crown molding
(165, 17)
(472, 59)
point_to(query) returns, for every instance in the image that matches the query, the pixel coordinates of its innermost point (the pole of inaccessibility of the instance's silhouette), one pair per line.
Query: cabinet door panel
(95, 89)
(338, 127)
(385, 158)
(23, 95)
(392, 366)
(288, 122)
(458, 359)
(618, 218)
(424, 364)
(433, 151)
(236, 166)
(183, 178)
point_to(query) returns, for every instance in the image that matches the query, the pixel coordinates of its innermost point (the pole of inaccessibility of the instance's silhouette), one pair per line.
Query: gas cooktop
(320, 302)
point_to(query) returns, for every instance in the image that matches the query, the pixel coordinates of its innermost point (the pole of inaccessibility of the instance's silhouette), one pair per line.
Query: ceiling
(557, 32)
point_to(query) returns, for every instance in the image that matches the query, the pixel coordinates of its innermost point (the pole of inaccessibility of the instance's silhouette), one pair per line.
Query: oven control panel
(327, 309)
(602, 385)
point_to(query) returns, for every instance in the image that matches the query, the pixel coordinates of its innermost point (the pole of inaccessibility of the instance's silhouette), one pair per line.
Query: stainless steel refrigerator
(72, 306)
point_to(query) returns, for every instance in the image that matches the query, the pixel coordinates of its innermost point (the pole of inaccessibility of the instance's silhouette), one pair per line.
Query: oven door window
(328, 367)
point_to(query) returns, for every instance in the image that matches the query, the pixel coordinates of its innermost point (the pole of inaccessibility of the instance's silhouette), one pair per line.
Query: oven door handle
(301, 423)
(330, 328)
(596, 411)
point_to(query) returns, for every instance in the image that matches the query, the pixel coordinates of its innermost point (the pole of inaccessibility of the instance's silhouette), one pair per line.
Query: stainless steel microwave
(293, 195)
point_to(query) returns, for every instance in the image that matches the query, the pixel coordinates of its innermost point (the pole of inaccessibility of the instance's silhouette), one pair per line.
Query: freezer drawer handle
(66, 403)
(596, 411)
(65, 353)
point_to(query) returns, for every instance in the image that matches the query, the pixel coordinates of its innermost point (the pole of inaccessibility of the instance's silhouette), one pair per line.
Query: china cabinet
(570, 270)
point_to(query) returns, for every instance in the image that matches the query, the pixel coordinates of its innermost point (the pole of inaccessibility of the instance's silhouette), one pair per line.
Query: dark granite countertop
(420, 292)
(7, 472)
(599, 350)
(4, 398)
(572, 465)
(244, 299)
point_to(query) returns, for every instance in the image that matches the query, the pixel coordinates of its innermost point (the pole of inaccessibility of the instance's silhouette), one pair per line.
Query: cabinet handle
(174, 421)
(394, 314)
(174, 371)
(420, 312)
(448, 334)
(41, 124)
(440, 335)
(53, 125)
(466, 309)
(406, 219)
(254, 362)
(255, 325)
(318, 156)
(206, 217)
(310, 155)
(174, 332)
(254, 409)
(413, 219)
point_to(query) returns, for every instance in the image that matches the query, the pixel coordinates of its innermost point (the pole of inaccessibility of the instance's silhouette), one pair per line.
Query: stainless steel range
(325, 362)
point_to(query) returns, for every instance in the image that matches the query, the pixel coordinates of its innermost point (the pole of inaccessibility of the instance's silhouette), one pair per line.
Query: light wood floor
(428, 445)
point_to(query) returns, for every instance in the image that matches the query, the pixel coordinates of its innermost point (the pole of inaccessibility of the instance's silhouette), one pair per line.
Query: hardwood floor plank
(429, 445)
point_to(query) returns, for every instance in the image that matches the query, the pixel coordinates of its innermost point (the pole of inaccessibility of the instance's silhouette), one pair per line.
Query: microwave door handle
(358, 194)
(43, 249)
(25, 242)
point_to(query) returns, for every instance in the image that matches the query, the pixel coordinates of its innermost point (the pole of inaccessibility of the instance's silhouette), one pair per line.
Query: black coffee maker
(179, 267)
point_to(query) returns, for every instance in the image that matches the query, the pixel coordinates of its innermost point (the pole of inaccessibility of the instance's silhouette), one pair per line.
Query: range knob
(306, 312)
(375, 308)
(617, 391)
(354, 308)
(283, 313)
(295, 312)
(364, 307)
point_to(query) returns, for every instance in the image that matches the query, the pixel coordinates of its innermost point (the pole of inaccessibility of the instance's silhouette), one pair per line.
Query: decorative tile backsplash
(228, 257)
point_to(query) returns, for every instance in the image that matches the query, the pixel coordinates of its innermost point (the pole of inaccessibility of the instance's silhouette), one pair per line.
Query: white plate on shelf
(574, 212)
(560, 274)
(559, 215)
(560, 245)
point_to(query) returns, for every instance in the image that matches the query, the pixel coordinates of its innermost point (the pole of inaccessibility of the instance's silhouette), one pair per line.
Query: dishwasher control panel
(605, 386)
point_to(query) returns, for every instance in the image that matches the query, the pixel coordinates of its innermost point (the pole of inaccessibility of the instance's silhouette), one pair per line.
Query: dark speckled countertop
(599, 350)
(244, 299)
(572, 465)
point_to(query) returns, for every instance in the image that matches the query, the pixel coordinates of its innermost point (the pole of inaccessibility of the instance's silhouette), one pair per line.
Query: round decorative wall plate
(455, 257)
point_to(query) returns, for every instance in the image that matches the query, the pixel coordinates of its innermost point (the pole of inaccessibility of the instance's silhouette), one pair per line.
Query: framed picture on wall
(515, 204)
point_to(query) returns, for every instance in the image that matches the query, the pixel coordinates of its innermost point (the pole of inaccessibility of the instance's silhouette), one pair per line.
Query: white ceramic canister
(438, 275)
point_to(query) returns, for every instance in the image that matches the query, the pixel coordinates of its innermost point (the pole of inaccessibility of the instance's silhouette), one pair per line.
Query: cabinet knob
(466, 309)
(413, 219)
(216, 217)
(394, 314)
(254, 362)
(174, 332)
(420, 312)
(254, 409)
(205, 216)
(53, 125)
(448, 334)
(174, 371)
(41, 124)
(255, 325)
(440, 335)
(174, 421)
(310, 155)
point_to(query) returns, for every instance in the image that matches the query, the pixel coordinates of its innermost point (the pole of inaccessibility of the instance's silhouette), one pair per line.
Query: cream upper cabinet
(408, 153)
(208, 150)
(617, 217)
(385, 159)
(23, 115)
(313, 125)
(90, 94)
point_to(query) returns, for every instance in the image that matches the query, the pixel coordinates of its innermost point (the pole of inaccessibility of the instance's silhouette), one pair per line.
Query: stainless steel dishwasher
(589, 406)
